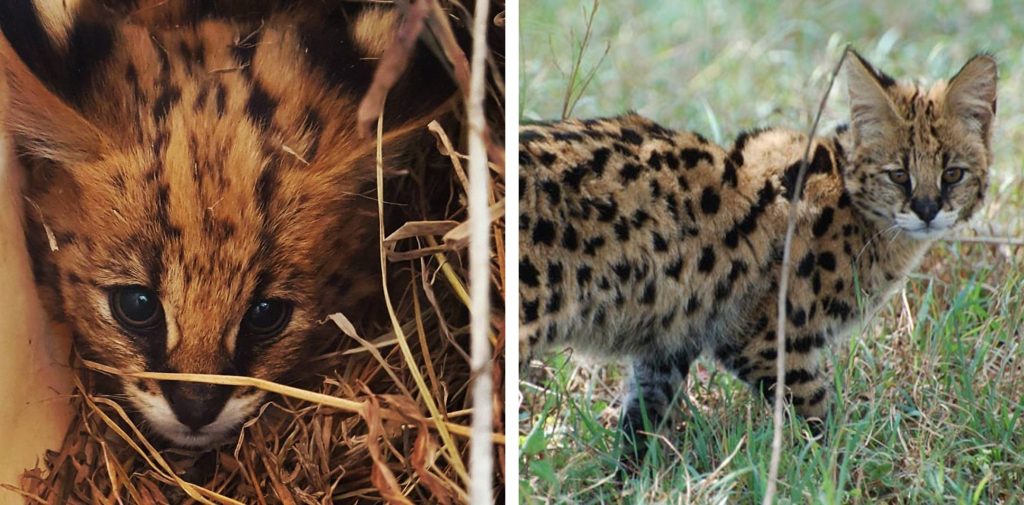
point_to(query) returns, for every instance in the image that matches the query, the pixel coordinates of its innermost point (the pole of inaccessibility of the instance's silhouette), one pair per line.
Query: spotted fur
(656, 245)
(207, 151)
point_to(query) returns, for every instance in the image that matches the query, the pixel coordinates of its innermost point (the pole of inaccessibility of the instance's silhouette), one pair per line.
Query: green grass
(930, 393)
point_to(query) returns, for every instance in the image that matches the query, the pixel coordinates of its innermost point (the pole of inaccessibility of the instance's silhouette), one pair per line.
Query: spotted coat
(656, 245)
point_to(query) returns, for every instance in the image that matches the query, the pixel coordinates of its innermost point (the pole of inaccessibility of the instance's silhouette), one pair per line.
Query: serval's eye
(900, 176)
(136, 308)
(267, 318)
(952, 175)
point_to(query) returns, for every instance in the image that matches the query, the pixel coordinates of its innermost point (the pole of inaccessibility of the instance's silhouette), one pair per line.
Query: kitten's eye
(952, 175)
(900, 177)
(136, 308)
(267, 318)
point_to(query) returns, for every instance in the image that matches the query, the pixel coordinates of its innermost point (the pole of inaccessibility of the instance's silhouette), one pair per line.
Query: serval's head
(921, 154)
(198, 196)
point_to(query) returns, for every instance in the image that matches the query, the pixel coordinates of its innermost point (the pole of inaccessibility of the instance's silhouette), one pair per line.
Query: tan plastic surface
(34, 377)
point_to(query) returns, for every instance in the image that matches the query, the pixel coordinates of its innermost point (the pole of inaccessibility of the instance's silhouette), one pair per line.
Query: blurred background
(930, 391)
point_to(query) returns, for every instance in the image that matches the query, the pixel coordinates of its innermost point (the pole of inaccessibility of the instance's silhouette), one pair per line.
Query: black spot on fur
(732, 238)
(837, 309)
(200, 102)
(528, 273)
(707, 260)
(823, 222)
(163, 104)
(640, 218)
(650, 292)
(674, 268)
(804, 344)
(692, 305)
(827, 260)
(554, 303)
(266, 186)
(722, 290)
(691, 157)
(659, 242)
(530, 311)
(623, 270)
(672, 161)
(567, 136)
(654, 161)
(821, 163)
(600, 160)
(591, 245)
(606, 210)
(555, 273)
(583, 275)
(630, 172)
(798, 318)
(729, 173)
(817, 397)
(622, 229)
(222, 99)
(737, 269)
(798, 376)
(527, 135)
(655, 189)
(806, 265)
(631, 136)
(710, 201)
(553, 190)
(570, 239)
(544, 232)
(260, 107)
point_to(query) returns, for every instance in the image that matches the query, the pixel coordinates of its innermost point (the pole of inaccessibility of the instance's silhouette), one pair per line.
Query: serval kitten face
(920, 156)
(197, 188)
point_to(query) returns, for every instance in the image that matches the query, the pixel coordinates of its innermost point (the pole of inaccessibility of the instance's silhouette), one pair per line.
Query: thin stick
(987, 240)
(780, 329)
(481, 449)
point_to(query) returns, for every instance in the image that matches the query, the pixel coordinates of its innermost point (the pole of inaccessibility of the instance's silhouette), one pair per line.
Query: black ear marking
(68, 73)
(22, 27)
(884, 80)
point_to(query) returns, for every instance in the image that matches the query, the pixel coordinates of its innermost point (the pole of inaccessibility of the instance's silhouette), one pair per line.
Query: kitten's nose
(195, 404)
(925, 208)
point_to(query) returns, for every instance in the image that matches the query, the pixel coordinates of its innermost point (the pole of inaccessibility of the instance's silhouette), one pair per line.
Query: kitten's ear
(971, 94)
(872, 112)
(40, 122)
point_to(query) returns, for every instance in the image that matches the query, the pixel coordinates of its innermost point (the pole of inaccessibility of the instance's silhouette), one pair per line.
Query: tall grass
(930, 393)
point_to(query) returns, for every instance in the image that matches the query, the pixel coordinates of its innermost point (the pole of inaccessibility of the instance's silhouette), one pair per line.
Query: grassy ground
(930, 393)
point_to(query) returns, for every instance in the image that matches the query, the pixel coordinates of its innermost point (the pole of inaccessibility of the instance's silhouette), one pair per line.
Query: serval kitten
(656, 245)
(198, 190)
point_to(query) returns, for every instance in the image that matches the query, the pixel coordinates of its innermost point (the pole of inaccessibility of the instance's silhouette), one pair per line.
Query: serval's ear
(40, 122)
(872, 112)
(971, 95)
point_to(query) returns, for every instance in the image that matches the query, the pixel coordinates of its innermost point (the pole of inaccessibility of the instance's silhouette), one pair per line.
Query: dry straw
(388, 418)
